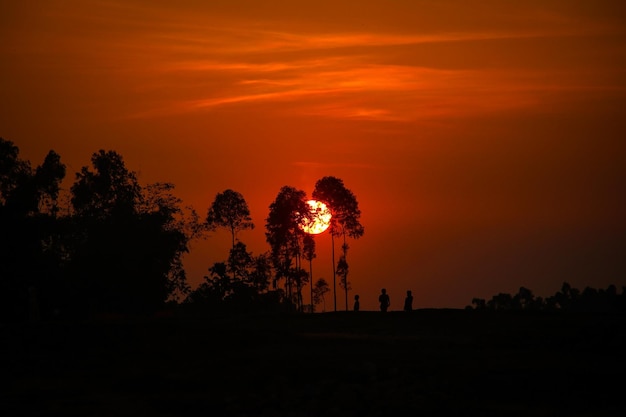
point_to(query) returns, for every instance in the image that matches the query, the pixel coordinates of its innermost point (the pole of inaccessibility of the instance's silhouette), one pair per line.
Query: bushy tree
(241, 284)
(128, 242)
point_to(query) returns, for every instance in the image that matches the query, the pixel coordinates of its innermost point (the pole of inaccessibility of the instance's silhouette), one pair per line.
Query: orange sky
(484, 140)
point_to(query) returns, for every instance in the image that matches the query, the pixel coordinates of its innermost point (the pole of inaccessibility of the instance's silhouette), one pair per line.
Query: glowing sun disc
(321, 218)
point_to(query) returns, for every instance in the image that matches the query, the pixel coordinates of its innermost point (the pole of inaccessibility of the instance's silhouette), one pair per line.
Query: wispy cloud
(355, 91)
(206, 62)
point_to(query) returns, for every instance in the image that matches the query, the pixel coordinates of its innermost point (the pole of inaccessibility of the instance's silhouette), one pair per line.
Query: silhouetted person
(408, 301)
(384, 301)
(357, 305)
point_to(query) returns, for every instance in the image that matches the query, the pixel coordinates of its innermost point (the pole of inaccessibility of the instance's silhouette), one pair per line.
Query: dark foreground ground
(429, 363)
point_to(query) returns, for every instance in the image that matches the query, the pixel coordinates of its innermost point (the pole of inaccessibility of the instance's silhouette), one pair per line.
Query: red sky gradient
(484, 140)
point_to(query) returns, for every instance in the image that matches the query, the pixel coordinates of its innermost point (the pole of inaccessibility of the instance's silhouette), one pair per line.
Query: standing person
(357, 305)
(408, 301)
(384, 301)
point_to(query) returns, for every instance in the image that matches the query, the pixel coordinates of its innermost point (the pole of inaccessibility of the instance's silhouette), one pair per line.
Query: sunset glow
(321, 218)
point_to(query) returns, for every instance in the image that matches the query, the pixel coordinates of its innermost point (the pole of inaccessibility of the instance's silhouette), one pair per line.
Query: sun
(321, 218)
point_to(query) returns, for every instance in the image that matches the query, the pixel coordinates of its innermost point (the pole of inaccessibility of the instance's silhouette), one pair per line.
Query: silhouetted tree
(345, 217)
(128, 242)
(243, 294)
(239, 262)
(479, 303)
(218, 285)
(284, 234)
(319, 290)
(48, 177)
(261, 273)
(31, 253)
(609, 298)
(107, 191)
(502, 301)
(158, 198)
(568, 299)
(300, 278)
(241, 284)
(523, 299)
(175, 227)
(229, 210)
(551, 304)
(15, 173)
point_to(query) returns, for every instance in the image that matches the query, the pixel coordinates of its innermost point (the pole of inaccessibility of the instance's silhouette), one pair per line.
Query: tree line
(276, 278)
(590, 299)
(110, 245)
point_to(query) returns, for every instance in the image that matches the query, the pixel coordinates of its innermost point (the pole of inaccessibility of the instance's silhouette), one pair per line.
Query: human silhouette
(384, 301)
(357, 305)
(408, 301)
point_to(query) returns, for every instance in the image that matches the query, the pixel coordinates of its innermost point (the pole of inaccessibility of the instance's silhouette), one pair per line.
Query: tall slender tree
(345, 221)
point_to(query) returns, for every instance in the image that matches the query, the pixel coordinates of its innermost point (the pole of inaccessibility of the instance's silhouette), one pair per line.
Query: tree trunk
(311, 281)
(345, 258)
(332, 241)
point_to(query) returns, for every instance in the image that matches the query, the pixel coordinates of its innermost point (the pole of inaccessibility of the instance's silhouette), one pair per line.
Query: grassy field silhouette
(434, 362)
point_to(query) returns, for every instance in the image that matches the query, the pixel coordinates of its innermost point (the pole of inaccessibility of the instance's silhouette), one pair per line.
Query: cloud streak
(206, 62)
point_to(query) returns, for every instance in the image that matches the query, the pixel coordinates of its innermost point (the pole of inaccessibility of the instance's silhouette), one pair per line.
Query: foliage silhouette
(568, 299)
